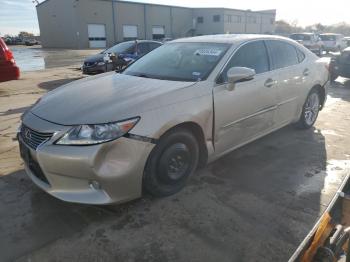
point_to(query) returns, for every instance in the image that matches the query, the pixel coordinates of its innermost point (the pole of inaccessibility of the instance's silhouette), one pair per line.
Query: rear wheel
(171, 162)
(310, 111)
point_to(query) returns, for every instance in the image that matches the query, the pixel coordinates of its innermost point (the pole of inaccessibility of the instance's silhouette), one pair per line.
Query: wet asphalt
(255, 204)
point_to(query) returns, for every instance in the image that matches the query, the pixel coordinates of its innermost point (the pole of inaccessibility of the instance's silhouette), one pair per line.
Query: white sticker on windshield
(210, 52)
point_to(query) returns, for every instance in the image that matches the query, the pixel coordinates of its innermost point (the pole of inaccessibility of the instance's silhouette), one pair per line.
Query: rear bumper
(9, 72)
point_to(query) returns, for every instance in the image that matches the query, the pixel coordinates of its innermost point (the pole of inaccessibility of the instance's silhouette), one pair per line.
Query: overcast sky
(20, 15)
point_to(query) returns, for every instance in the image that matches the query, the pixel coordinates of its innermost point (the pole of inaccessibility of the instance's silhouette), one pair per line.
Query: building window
(228, 18)
(216, 18)
(200, 20)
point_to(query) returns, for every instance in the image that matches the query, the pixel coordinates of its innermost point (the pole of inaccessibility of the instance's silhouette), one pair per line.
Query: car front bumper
(95, 69)
(97, 174)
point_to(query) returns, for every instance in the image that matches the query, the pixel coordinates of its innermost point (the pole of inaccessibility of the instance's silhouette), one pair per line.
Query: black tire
(170, 163)
(305, 122)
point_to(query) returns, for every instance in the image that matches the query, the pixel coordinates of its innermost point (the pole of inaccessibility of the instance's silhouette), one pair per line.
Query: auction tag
(208, 52)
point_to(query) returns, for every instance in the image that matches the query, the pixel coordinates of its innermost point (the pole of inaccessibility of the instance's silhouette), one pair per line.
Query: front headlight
(96, 134)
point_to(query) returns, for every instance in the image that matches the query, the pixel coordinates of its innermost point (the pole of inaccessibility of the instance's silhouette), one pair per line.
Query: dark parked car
(340, 65)
(118, 56)
(8, 68)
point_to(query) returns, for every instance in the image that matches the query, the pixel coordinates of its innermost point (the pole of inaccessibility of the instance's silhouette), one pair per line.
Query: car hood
(94, 58)
(107, 98)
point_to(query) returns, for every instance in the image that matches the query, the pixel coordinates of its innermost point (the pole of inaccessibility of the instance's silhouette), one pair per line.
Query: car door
(248, 110)
(289, 76)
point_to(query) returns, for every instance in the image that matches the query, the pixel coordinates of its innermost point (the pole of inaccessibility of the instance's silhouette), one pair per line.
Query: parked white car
(310, 40)
(106, 139)
(333, 42)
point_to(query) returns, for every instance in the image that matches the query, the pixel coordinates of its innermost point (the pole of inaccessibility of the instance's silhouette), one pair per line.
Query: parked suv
(8, 67)
(333, 42)
(310, 40)
(107, 139)
(118, 56)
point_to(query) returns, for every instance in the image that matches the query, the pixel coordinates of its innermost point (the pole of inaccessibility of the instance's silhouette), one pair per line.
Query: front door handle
(306, 72)
(269, 83)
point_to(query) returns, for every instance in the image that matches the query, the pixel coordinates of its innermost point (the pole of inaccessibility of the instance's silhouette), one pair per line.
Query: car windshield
(327, 37)
(124, 47)
(179, 61)
(302, 37)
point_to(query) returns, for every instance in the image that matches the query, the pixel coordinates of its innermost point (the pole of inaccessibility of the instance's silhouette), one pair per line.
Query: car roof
(228, 38)
(142, 41)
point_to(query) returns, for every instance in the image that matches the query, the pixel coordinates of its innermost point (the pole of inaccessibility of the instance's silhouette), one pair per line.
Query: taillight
(9, 56)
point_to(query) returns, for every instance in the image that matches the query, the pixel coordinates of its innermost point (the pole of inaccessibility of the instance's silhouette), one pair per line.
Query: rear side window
(143, 48)
(252, 55)
(283, 54)
(154, 46)
(301, 55)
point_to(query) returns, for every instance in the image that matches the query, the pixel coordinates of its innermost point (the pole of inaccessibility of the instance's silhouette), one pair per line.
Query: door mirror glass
(239, 74)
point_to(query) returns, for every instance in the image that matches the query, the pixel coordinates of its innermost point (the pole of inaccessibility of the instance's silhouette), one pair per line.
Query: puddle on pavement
(37, 58)
(331, 178)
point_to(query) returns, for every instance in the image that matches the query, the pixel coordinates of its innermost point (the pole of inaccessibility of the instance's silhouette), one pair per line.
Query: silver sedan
(109, 138)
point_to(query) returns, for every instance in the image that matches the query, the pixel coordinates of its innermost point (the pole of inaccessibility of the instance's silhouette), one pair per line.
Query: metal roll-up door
(97, 35)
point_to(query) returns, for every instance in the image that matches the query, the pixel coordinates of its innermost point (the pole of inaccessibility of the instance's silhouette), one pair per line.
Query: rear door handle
(269, 83)
(306, 72)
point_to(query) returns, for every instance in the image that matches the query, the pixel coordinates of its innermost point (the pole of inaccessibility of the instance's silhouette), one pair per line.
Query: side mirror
(239, 74)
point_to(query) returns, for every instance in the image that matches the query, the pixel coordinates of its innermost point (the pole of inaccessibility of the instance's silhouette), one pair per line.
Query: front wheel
(171, 162)
(310, 111)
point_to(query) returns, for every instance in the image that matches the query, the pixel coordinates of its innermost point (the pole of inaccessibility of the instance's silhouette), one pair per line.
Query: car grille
(34, 138)
(90, 63)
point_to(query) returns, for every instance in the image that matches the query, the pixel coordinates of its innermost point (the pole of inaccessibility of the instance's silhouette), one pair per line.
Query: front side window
(283, 54)
(252, 55)
(122, 48)
(179, 61)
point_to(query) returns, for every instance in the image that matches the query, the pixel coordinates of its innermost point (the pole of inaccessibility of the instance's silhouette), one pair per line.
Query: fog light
(95, 185)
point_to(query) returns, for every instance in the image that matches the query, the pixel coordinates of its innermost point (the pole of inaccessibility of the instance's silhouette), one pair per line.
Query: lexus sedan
(185, 104)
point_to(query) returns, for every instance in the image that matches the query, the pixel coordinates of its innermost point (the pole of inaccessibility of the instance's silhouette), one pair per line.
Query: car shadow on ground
(50, 85)
(258, 201)
(19, 110)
